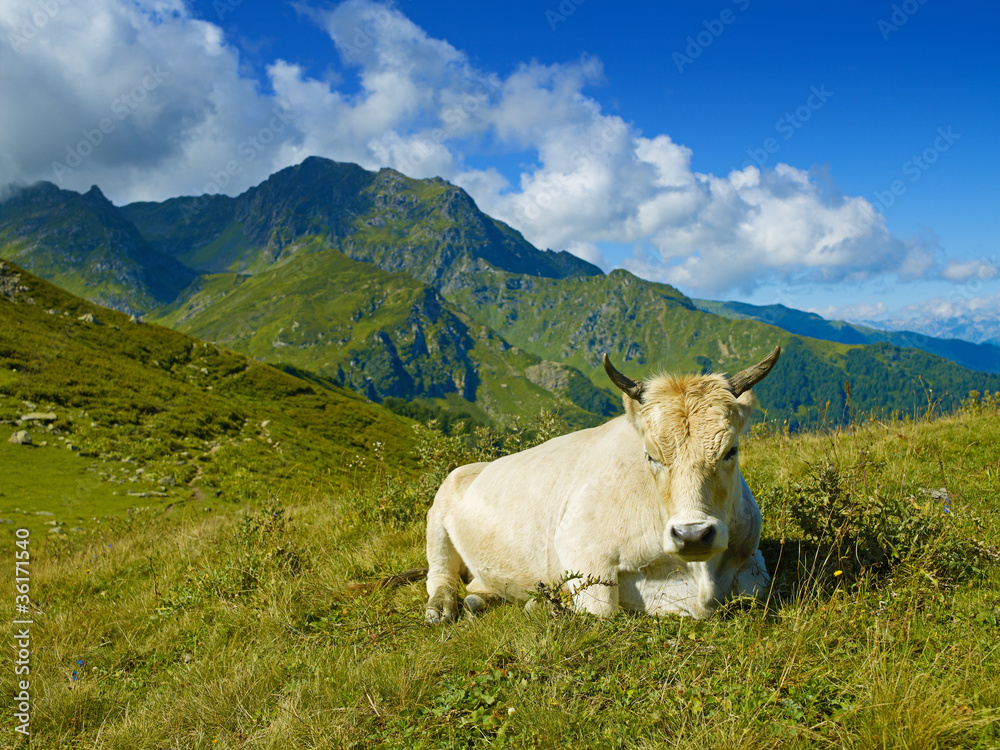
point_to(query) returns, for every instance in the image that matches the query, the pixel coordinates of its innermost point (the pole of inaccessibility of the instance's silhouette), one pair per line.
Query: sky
(840, 158)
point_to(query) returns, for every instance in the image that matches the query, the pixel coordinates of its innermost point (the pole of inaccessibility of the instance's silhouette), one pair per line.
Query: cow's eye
(652, 460)
(731, 454)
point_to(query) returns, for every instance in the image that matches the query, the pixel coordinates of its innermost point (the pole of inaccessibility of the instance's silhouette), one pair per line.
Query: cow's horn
(627, 385)
(746, 379)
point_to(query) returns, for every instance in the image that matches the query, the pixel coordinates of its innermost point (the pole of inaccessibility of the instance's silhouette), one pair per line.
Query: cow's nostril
(693, 537)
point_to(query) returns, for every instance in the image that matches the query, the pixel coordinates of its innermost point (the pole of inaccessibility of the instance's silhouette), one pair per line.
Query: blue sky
(739, 144)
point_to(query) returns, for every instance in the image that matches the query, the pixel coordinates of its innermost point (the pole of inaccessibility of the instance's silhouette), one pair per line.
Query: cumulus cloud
(191, 121)
(138, 97)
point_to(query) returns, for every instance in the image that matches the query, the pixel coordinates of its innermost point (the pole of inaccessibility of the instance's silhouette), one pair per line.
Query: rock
(77, 528)
(21, 437)
(56, 530)
(168, 481)
(44, 513)
(38, 416)
(71, 447)
(89, 318)
(6, 520)
(135, 319)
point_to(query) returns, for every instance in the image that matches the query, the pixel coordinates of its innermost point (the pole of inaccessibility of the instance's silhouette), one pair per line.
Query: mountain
(646, 327)
(402, 288)
(85, 245)
(984, 356)
(980, 326)
(383, 334)
(429, 229)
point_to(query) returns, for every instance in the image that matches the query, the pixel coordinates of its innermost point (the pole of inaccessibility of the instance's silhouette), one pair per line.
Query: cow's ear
(633, 410)
(745, 405)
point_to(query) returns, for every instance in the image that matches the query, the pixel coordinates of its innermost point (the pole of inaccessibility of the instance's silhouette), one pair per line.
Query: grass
(141, 404)
(241, 630)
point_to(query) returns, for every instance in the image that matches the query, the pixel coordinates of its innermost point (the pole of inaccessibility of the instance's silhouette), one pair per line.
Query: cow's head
(690, 427)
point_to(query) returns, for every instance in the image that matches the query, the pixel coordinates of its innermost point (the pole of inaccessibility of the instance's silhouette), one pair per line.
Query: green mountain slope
(382, 334)
(648, 327)
(146, 397)
(984, 357)
(84, 244)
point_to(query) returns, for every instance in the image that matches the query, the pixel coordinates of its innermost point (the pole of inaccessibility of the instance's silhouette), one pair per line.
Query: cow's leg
(599, 599)
(444, 567)
(479, 598)
(578, 553)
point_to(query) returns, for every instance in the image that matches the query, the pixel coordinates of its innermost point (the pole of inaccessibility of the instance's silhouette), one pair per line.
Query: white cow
(652, 501)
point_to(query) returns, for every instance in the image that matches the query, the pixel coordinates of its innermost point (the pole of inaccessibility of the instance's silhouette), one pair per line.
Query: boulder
(39, 416)
(89, 318)
(21, 437)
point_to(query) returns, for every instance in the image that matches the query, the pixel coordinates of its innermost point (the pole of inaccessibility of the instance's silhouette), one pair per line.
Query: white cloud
(589, 252)
(969, 270)
(863, 312)
(420, 107)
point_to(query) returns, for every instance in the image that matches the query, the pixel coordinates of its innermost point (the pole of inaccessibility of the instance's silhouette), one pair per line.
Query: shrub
(860, 523)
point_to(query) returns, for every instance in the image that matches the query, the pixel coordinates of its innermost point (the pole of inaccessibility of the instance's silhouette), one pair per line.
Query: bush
(861, 524)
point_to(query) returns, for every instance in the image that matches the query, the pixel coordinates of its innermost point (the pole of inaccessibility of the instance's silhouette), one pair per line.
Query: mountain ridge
(402, 288)
(983, 356)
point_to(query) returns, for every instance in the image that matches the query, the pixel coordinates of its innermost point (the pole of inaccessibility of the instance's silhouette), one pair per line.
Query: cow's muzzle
(695, 540)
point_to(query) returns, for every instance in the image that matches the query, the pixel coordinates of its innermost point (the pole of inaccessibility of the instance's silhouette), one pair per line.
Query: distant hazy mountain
(982, 356)
(401, 287)
(982, 327)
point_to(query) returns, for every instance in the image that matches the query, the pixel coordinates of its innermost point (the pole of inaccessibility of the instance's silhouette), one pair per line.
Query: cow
(651, 504)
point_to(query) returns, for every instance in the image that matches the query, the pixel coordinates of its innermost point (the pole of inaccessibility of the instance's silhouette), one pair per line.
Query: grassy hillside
(984, 357)
(243, 630)
(648, 327)
(148, 416)
(382, 334)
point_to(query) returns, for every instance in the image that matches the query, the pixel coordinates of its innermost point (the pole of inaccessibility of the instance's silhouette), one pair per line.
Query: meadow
(245, 627)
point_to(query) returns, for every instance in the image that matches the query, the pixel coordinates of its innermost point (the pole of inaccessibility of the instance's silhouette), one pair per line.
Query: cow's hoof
(443, 607)
(474, 604)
